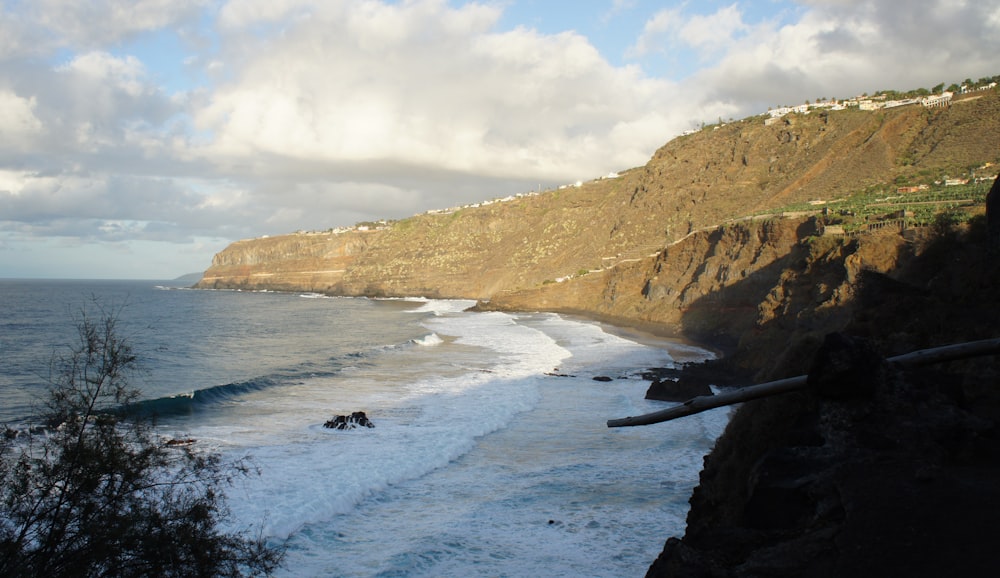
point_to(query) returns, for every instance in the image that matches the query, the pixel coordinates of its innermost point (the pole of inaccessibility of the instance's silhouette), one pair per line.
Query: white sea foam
(425, 416)
(475, 448)
(443, 306)
(429, 340)
(479, 463)
(552, 493)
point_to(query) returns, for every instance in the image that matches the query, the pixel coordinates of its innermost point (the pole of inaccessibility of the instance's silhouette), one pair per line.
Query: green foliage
(404, 224)
(945, 222)
(99, 494)
(880, 202)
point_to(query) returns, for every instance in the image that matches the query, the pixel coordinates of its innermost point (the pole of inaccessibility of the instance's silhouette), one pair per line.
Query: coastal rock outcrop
(671, 390)
(893, 483)
(297, 262)
(355, 420)
(871, 470)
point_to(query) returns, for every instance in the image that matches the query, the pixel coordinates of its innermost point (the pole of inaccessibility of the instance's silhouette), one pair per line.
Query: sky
(139, 138)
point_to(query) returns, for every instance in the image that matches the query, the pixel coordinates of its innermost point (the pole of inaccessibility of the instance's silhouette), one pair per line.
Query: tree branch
(707, 402)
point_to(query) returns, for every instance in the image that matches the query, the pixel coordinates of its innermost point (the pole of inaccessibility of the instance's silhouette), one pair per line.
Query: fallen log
(706, 402)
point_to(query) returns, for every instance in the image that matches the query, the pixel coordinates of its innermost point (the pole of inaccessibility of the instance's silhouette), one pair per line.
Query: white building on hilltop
(943, 99)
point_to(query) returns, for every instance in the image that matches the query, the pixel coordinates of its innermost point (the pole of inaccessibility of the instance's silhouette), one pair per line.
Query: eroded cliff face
(298, 262)
(744, 288)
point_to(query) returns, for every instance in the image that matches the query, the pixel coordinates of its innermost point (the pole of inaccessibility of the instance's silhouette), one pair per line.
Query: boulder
(689, 380)
(355, 420)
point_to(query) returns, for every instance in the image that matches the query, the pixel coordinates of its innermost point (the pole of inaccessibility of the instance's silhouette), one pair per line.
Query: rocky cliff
(694, 182)
(298, 262)
(873, 470)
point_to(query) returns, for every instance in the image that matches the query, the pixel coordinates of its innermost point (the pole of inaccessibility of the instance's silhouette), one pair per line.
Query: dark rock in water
(690, 380)
(601, 378)
(658, 373)
(180, 442)
(670, 390)
(355, 420)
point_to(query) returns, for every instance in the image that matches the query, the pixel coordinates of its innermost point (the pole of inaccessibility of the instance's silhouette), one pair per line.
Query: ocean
(490, 455)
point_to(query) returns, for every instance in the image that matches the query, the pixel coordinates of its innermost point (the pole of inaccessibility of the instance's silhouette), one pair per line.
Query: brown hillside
(693, 182)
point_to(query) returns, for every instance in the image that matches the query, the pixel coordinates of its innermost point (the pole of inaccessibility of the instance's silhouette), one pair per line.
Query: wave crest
(429, 340)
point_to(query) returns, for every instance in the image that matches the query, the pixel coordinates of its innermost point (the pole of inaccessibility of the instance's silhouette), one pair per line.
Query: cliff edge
(873, 470)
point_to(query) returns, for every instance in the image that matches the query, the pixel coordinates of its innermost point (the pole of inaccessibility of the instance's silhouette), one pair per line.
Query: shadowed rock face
(891, 484)
(872, 471)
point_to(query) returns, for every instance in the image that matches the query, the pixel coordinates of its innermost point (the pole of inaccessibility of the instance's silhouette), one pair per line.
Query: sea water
(490, 455)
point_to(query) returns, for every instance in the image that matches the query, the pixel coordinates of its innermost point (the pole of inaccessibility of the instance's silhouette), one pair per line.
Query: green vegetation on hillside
(917, 208)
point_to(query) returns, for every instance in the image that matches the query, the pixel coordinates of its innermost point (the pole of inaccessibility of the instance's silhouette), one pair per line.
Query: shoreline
(693, 373)
(693, 370)
(646, 332)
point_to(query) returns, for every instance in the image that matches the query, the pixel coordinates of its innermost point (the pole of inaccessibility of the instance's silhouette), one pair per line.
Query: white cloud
(80, 203)
(656, 33)
(841, 48)
(93, 103)
(672, 30)
(18, 124)
(12, 34)
(712, 33)
(100, 23)
(11, 182)
(100, 67)
(244, 13)
(618, 7)
(423, 84)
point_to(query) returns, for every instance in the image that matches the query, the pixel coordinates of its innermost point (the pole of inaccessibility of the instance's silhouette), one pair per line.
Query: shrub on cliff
(99, 494)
